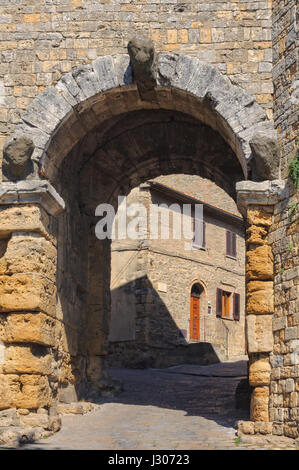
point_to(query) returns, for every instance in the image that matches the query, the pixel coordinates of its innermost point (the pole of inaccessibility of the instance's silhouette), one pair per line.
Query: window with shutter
(236, 313)
(223, 303)
(203, 234)
(234, 244)
(199, 228)
(219, 303)
(228, 242)
(231, 244)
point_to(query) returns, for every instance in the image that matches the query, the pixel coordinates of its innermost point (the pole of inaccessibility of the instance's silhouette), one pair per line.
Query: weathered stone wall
(284, 238)
(278, 398)
(40, 41)
(29, 332)
(272, 293)
(285, 77)
(259, 309)
(159, 275)
(284, 399)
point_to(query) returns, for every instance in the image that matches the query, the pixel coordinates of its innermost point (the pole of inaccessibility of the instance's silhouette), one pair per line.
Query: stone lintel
(32, 192)
(265, 193)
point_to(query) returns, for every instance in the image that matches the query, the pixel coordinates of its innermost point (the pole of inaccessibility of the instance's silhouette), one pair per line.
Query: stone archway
(41, 340)
(58, 118)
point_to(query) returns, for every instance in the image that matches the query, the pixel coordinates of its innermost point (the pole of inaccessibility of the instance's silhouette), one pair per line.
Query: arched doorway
(94, 137)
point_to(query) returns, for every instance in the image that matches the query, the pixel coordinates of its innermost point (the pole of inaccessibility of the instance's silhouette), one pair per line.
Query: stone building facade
(154, 280)
(81, 121)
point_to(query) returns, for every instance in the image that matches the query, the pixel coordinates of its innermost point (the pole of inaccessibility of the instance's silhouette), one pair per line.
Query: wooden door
(194, 318)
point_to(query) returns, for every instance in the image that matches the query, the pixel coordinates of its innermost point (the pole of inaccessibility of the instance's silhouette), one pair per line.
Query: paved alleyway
(182, 407)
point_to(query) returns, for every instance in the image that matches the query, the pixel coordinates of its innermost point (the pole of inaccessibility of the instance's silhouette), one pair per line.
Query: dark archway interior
(109, 161)
(133, 147)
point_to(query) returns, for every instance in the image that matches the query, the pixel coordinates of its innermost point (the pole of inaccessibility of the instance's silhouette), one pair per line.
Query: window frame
(226, 304)
(231, 244)
(224, 300)
(195, 245)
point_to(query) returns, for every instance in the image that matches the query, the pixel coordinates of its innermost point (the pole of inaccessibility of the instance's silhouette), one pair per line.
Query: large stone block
(9, 418)
(70, 90)
(259, 405)
(259, 333)
(29, 253)
(256, 235)
(266, 153)
(245, 427)
(259, 264)
(291, 430)
(24, 391)
(259, 372)
(27, 292)
(37, 116)
(264, 428)
(74, 408)
(9, 387)
(32, 359)
(279, 323)
(260, 297)
(35, 420)
(27, 328)
(257, 215)
(105, 72)
(54, 103)
(24, 219)
(34, 392)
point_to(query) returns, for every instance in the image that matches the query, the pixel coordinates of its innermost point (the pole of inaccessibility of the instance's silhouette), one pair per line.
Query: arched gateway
(99, 132)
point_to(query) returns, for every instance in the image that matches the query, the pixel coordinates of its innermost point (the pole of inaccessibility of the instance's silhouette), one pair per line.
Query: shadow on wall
(143, 333)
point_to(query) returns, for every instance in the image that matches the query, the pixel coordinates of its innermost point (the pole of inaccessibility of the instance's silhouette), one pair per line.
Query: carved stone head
(142, 55)
(17, 163)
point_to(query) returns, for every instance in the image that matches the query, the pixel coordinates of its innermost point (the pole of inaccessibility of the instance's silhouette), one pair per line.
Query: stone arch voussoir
(62, 114)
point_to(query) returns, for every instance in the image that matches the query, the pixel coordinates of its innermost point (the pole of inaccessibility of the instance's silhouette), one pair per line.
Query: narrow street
(183, 407)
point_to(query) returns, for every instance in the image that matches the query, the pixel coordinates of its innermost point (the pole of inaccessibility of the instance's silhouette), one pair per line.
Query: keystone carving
(17, 163)
(144, 66)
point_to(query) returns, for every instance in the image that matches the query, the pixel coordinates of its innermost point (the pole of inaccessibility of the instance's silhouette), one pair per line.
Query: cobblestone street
(183, 407)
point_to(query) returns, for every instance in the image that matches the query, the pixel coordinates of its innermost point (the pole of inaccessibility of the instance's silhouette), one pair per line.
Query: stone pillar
(96, 331)
(256, 201)
(97, 328)
(28, 256)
